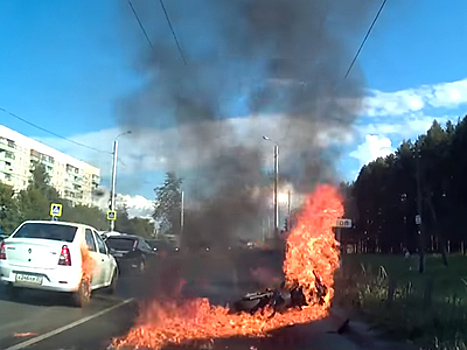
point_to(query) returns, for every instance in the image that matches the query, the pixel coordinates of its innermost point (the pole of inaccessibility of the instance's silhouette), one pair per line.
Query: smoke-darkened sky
(246, 59)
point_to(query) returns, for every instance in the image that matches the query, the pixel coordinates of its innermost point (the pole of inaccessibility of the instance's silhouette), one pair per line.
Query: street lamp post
(276, 182)
(114, 176)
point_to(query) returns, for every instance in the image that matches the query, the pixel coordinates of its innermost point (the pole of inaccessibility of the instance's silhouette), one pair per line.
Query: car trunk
(33, 252)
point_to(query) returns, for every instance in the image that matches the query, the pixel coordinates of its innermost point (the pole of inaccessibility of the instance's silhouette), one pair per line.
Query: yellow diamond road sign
(56, 209)
(111, 215)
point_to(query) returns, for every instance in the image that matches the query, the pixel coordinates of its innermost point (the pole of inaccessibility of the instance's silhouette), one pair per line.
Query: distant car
(161, 246)
(131, 252)
(47, 255)
(3, 236)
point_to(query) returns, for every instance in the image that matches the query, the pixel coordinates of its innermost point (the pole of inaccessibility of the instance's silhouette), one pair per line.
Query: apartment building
(74, 180)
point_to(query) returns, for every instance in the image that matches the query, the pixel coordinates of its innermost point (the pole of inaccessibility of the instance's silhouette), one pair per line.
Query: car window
(90, 241)
(100, 244)
(146, 246)
(54, 232)
(121, 244)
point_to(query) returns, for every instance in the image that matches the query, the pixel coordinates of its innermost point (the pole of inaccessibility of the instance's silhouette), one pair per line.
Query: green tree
(168, 204)
(41, 181)
(135, 226)
(34, 201)
(386, 194)
(9, 211)
(141, 227)
(83, 214)
(122, 223)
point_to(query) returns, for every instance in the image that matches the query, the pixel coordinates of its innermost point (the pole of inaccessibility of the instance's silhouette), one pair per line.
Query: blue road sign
(55, 209)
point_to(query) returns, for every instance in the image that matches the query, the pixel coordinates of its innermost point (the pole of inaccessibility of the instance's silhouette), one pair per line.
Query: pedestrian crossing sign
(55, 209)
(111, 215)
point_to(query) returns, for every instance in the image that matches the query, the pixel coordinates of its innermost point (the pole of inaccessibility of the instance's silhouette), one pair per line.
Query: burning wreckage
(282, 298)
(311, 258)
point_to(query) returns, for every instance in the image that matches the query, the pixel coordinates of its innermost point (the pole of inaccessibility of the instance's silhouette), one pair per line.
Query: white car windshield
(54, 232)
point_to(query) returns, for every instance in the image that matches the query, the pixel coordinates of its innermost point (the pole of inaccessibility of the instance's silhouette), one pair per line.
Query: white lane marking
(62, 329)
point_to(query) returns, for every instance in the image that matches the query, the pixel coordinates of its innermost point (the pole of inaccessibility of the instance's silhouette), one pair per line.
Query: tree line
(33, 203)
(414, 198)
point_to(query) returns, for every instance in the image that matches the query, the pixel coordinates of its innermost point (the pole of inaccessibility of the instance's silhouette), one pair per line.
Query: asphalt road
(38, 320)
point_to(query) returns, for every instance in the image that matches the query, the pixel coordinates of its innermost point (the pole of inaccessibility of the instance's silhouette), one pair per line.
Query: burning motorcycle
(282, 298)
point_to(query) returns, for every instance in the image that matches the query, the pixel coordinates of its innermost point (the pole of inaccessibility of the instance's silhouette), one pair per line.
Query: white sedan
(47, 255)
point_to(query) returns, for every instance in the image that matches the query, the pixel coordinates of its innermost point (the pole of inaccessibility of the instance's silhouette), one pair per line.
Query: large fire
(311, 251)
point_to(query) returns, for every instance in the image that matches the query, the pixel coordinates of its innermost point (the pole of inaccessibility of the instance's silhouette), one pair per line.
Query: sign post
(340, 224)
(55, 211)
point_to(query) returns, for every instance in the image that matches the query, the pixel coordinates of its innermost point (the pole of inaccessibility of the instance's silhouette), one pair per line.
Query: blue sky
(65, 64)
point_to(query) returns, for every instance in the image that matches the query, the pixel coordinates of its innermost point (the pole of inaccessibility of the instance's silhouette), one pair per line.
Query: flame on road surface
(311, 248)
(25, 334)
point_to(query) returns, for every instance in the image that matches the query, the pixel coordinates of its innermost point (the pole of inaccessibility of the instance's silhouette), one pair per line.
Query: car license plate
(28, 279)
(118, 255)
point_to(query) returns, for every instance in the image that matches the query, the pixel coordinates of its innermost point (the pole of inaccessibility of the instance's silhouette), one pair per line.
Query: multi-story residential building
(75, 180)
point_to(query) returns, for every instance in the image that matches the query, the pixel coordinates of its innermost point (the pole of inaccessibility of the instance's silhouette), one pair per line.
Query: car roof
(57, 223)
(124, 235)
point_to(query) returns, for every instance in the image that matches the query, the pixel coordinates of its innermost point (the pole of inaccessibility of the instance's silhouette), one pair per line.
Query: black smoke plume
(246, 59)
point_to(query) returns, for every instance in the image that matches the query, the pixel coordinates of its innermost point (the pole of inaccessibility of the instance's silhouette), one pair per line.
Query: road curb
(361, 334)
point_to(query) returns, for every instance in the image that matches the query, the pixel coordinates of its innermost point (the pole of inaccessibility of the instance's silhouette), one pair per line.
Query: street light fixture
(276, 181)
(114, 176)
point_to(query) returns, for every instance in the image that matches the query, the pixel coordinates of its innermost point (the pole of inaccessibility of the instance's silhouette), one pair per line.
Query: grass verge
(427, 309)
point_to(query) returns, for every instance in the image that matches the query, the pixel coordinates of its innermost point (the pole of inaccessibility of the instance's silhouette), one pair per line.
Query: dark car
(162, 246)
(132, 252)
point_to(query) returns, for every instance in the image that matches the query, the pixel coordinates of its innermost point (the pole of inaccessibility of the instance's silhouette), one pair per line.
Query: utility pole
(419, 221)
(113, 192)
(182, 214)
(275, 186)
(289, 203)
(114, 181)
(276, 181)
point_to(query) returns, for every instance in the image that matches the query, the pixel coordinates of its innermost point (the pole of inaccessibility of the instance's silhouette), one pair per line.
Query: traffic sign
(111, 215)
(344, 223)
(56, 209)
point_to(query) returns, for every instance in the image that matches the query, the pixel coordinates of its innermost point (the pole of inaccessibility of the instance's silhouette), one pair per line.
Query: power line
(140, 24)
(365, 38)
(173, 31)
(51, 132)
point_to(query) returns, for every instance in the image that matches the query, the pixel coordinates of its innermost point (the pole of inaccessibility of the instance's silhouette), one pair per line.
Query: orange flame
(87, 263)
(311, 249)
(25, 334)
(311, 246)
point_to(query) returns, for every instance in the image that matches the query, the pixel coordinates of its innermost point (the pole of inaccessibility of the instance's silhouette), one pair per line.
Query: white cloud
(156, 150)
(137, 206)
(448, 95)
(404, 128)
(403, 114)
(373, 148)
